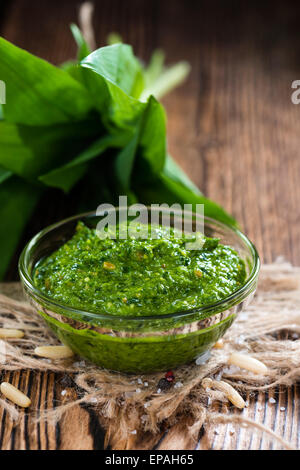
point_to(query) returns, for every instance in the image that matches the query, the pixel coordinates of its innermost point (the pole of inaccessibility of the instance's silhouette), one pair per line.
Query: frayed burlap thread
(131, 406)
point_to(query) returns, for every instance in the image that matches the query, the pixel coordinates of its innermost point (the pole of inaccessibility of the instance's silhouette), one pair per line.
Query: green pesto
(135, 277)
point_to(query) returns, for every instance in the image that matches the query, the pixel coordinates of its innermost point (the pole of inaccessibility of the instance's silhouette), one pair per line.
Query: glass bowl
(145, 343)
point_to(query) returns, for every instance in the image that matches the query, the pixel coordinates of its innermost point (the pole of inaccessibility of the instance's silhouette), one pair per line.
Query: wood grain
(234, 130)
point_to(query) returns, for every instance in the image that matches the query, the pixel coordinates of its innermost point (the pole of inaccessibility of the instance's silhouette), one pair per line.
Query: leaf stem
(85, 17)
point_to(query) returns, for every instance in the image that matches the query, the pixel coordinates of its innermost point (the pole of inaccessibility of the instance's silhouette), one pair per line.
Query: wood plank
(233, 127)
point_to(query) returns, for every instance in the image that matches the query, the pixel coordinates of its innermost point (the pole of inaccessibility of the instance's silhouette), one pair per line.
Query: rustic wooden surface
(234, 130)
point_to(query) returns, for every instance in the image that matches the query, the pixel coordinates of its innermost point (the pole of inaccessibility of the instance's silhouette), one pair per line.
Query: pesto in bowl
(139, 276)
(138, 305)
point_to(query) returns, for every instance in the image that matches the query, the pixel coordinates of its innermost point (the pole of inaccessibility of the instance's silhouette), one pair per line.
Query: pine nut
(11, 333)
(198, 273)
(247, 362)
(206, 383)
(15, 395)
(233, 396)
(54, 352)
(219, 344)
(108, 266)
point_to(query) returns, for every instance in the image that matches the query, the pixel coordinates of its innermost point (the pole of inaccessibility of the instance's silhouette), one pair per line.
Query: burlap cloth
(268, 330)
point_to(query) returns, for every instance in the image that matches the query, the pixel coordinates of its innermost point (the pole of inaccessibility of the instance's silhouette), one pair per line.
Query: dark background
(232, 126)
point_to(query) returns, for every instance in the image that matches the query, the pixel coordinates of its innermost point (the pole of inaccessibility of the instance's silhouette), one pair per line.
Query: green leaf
(67, 175)
(58, 121)
(4, 174)
(38, 93)
(169, 79)
(113, 38)
(155, 67)
(148, 143)
(153, 136)
(117, 65)
(75, 71)
(124, 162)
(118, 111)
(17, 201)
(173, 185)
(29, 151)
(173, 171)
(165, 189)
(83, 48)
(68, 65)
(64, 178)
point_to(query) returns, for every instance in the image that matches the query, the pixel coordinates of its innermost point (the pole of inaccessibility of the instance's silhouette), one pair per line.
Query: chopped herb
(81, 279)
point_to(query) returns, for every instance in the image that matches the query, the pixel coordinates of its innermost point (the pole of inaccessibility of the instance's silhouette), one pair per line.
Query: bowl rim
(215, 307)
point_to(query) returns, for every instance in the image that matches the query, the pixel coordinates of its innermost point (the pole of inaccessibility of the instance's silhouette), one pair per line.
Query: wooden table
(232, 127)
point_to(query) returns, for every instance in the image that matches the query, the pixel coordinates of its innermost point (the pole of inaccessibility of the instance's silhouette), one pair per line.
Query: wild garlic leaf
(170, 191)
(83, 48)
(17, 201)
(170, 78)
(146, 151)
(119, 112)
(185, 196)
(92, 122)
(153, 136)
(64, 177)
(111, 75)
(113, 38)
(118, 65)
(4, 174)
(29, 151)
(123, 163)
(173, 171)
(38, 93)
(155, 67)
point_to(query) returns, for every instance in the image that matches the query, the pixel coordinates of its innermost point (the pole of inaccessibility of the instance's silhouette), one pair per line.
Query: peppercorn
(170, 377)
(164, 385)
